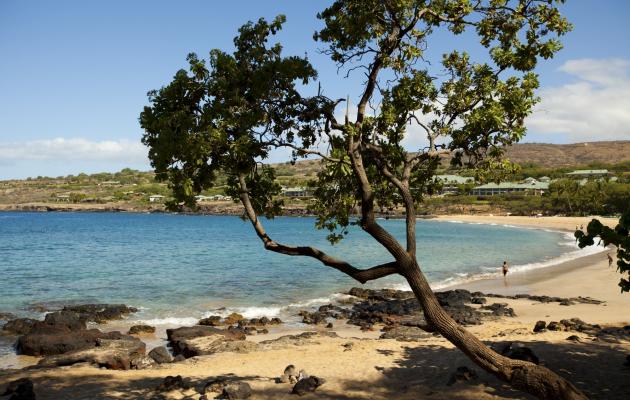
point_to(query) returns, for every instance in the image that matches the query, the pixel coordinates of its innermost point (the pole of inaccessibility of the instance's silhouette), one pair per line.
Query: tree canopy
(229, 113)
(619, 237)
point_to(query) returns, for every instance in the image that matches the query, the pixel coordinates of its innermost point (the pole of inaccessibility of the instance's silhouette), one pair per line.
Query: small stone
(307, 385)
(574, 338)
(330, 325)
(161, 355)
(540, 326)
(138, 329)
(215, 386)
(237, 390)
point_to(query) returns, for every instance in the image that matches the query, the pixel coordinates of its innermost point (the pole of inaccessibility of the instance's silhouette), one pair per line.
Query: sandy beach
(358, 365)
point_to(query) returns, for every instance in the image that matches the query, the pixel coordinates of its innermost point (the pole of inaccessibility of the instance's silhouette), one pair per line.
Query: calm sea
(178, 268)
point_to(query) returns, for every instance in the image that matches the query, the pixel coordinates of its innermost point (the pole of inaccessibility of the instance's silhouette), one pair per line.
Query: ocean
(179, 268)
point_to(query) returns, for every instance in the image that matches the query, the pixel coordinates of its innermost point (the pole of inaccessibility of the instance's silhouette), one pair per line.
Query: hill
(570, 155)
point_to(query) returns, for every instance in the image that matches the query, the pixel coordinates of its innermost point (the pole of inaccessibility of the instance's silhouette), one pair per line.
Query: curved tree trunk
(522, 375)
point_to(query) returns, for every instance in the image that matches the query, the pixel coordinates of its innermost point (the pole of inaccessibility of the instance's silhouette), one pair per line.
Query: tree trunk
(528, 377)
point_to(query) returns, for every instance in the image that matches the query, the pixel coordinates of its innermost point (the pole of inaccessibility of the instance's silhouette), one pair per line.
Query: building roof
(454, 179)
(589, 172)
(515, 185)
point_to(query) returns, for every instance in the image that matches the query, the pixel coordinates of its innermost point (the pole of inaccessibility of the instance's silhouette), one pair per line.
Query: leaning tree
(226, 116)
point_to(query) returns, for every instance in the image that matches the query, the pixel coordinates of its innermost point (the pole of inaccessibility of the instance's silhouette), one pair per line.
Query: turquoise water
(177, 268)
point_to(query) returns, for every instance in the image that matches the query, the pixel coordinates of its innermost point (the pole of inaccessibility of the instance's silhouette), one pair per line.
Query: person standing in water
(505, 268)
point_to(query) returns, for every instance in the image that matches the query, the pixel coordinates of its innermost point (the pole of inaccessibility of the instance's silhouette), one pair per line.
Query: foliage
(619, 237)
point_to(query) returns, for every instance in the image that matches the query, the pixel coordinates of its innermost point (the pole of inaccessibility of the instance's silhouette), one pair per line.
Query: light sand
(387, 369)
(559, 223)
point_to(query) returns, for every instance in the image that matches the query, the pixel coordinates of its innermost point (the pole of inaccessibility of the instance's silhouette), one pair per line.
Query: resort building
(298, 191)
(529, 187)
(452, 183)
(588, 173)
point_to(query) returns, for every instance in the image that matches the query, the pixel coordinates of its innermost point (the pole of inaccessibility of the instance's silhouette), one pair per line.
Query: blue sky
(74, 74)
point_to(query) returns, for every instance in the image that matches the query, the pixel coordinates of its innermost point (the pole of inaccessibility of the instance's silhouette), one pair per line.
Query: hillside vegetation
(130, 189)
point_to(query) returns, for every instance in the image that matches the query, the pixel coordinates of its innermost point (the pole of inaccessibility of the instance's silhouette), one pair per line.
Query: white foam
(183, 321)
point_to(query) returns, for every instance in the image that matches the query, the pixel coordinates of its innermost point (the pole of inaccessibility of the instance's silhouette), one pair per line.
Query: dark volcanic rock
(161, 355)
(307, 385)
(213, 320)
(19, 326)
(185, 340)
(100, 313)
(452, 298)
(462, 374)
(21, 389)
(406, 334)
(540, 326)
(64, 319)
(237, 390)
(380, 294)
(500, 310)
(171, 383)
(139, 329)
(214, 386)
(554, 326)
(517, 351)
(313, 318)
(62, 341)
(119, 354)
(478, 300)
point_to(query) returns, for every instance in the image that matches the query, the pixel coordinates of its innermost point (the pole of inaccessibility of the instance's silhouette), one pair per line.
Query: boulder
(100, 313)
(313, 318)
(517, 351)
(453, 298)
(62, 341)
(117, 354)
(65, 319)
(21, 389)
(19, 326)
(500, 310)
(540, 326)
(237, 390)
(198, 340)
(140, 329)
(462, 374)
(554, 326)
(161, 355)
(233, 319)
(142, 362)
(213, 320)
(307, 385)
(574, 338)
(478, 300)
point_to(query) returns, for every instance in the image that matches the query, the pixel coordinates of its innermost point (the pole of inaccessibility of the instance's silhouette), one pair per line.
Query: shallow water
(176, 268)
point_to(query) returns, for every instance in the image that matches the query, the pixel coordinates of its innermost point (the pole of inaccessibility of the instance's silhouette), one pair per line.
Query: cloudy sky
(74, 74)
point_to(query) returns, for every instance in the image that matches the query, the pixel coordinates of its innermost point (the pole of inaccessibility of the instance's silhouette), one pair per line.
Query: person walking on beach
(610, 259)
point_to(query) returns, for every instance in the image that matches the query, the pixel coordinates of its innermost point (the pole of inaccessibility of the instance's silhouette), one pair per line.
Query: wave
(176, 321)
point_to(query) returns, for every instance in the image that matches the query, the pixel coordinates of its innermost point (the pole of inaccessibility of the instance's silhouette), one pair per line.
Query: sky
(74, 74)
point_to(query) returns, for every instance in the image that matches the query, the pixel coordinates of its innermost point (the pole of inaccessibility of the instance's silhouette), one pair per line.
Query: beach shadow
(418, 372)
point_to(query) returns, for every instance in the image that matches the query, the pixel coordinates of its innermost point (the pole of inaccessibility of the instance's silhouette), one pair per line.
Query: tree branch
(361, 275)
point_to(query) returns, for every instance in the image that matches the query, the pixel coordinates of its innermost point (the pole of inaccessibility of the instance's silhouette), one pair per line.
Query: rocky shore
(64, 338)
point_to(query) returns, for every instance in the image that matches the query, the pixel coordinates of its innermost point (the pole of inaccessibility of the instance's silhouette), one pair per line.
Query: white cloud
(74, 149)
(596, 106)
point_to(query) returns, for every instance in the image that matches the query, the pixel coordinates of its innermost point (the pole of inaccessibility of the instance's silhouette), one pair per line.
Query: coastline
(382, 369)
